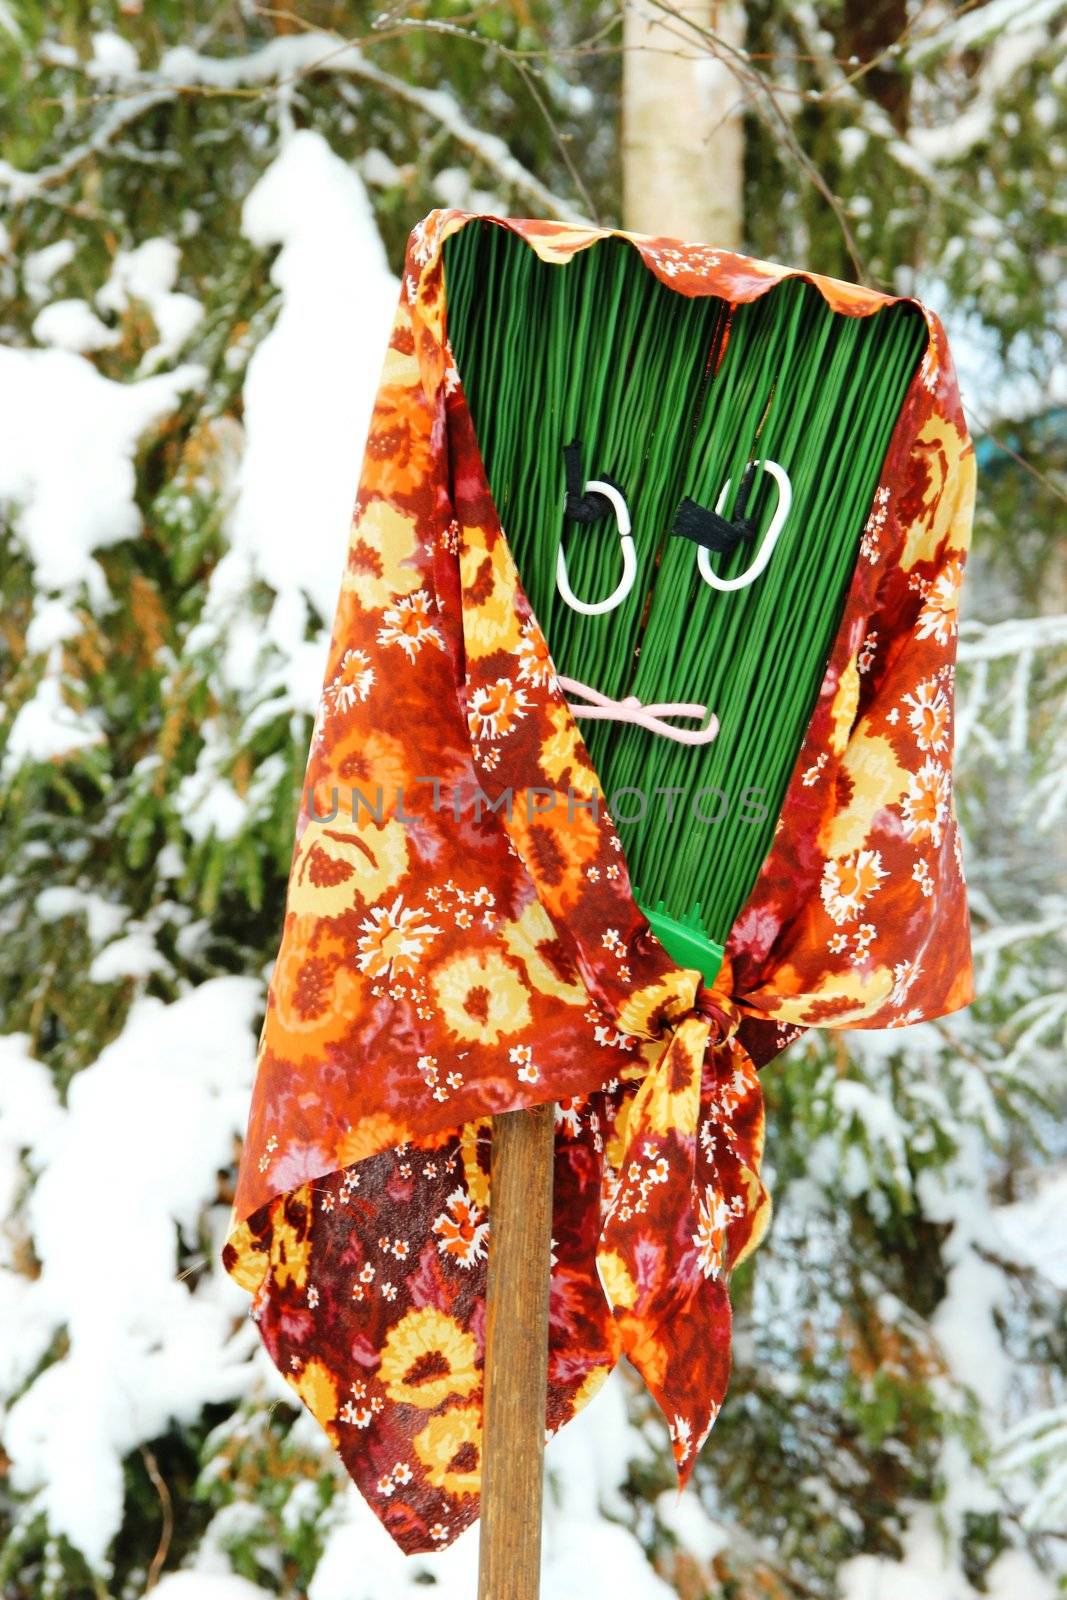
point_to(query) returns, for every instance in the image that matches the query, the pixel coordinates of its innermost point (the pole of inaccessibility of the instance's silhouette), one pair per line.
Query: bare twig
(737, 64)
(1020, 461)
(167, 1505)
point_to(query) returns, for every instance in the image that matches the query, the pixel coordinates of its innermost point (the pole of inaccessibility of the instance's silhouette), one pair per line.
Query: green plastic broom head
(685, 939)
(594, 369)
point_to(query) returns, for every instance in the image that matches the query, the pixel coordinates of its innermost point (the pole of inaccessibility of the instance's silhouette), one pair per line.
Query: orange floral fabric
(446, 955)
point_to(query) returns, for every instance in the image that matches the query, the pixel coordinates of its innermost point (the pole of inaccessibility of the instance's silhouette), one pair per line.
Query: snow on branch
(977, 27)
(1002, 938)
(184, 70)
(23, 186)
(300, 55)
(989, 642)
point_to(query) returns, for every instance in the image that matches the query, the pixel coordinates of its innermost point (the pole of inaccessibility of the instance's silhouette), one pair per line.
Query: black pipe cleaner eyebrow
(709, 528)
(585, 507)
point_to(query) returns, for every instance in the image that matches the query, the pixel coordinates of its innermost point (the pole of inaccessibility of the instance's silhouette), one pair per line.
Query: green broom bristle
(671, 396)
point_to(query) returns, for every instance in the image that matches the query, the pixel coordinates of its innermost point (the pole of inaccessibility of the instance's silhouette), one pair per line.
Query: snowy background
(184, 393)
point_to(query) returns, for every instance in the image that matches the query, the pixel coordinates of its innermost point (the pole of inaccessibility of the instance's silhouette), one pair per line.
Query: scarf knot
(657, 1010)
(687, 1203)
(716, 1002)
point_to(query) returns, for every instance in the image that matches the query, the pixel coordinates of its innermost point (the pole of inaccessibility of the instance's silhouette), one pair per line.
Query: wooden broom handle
(516, 1354)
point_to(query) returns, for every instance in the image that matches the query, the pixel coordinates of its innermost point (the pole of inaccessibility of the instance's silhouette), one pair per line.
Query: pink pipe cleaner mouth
(600, 707)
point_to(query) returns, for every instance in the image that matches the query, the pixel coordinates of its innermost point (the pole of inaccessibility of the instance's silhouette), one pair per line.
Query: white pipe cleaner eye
(770, 538)
(629, 559)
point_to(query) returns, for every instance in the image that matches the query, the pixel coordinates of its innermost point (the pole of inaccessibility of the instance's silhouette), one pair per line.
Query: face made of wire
(710, 531)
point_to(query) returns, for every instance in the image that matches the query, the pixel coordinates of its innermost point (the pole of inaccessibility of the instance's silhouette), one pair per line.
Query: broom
(724, 428)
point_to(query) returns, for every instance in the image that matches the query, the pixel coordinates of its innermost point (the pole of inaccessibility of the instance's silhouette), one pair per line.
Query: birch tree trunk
(682, 134)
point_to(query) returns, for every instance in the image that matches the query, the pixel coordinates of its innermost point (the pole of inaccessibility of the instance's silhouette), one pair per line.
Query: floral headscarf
(451, 950)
